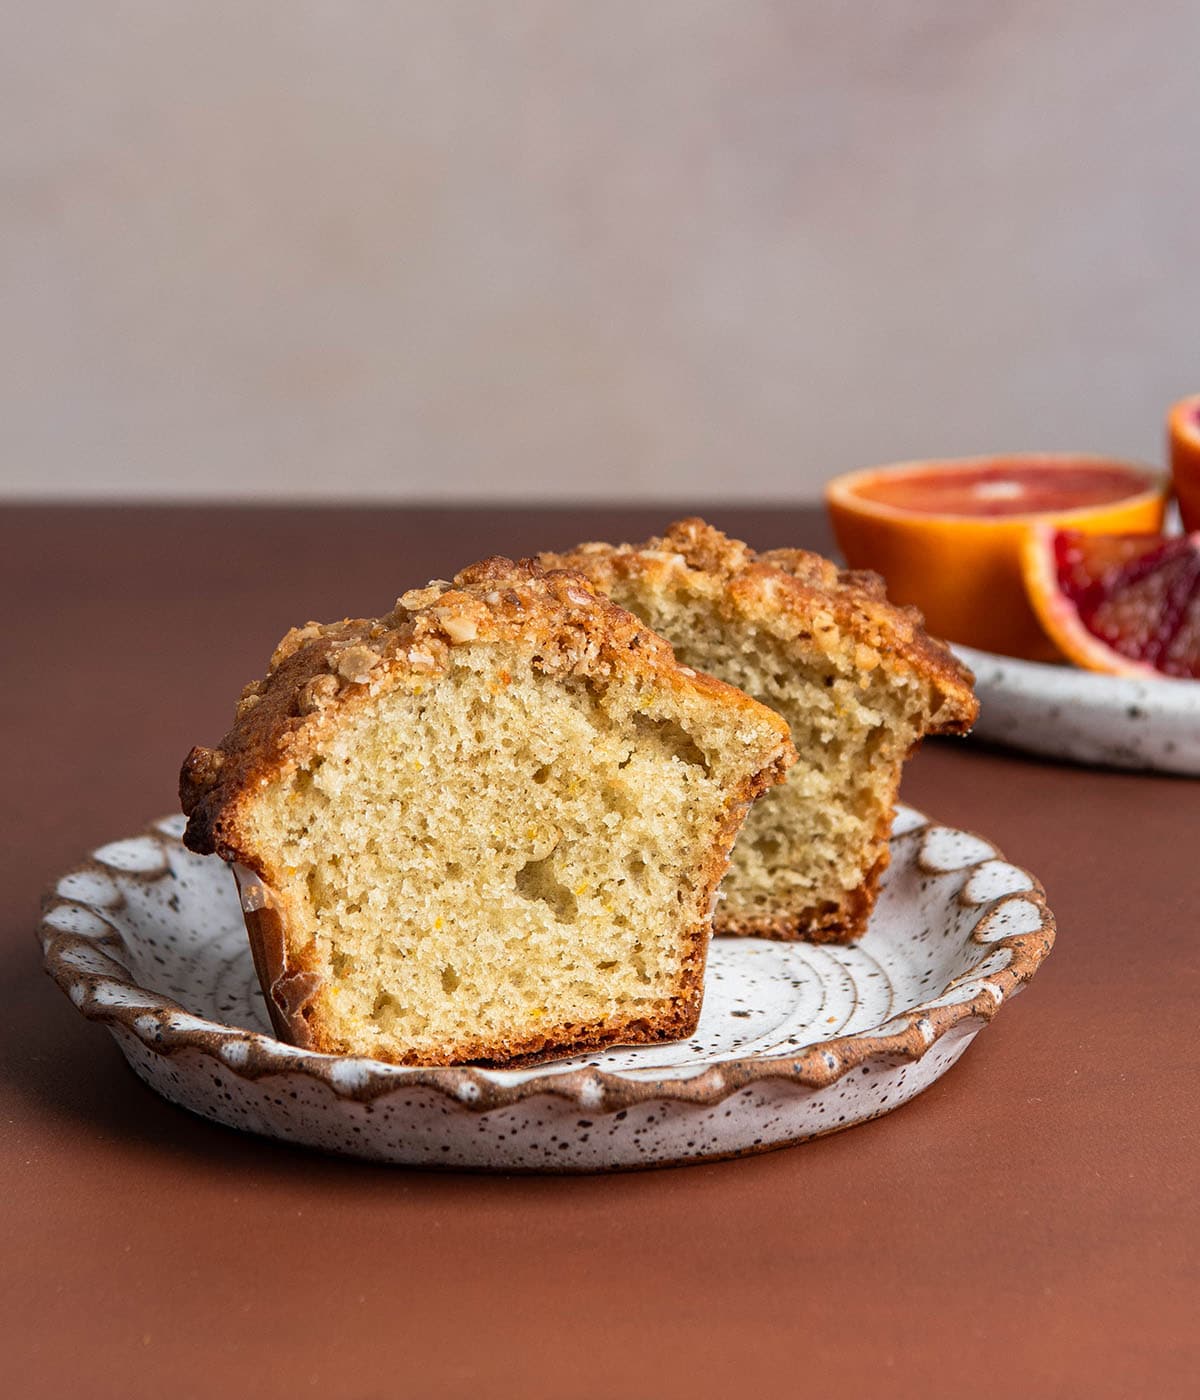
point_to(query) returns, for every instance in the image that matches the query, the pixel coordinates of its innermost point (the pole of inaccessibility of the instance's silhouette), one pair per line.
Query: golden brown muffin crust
(319, 669)
(800, 583)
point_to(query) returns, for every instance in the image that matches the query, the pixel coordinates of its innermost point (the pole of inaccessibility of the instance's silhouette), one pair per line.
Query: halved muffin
(486, 827)
(858, 680)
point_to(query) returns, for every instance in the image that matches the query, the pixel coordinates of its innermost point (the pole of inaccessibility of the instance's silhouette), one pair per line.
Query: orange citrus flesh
(1183, 444)
(1030, 487)
(1124, 604)
(947, 536)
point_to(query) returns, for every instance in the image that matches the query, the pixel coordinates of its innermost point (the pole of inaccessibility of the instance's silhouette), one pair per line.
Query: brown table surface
(1028, 1226)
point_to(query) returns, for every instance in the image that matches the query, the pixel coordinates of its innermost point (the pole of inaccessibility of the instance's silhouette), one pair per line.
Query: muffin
(858, 681)
(487, 827)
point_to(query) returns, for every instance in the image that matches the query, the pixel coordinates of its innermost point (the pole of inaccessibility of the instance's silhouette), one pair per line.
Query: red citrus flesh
(1120, 603)
(1021, 486)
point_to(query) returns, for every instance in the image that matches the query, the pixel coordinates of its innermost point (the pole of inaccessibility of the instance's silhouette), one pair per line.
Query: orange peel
(1183, 445)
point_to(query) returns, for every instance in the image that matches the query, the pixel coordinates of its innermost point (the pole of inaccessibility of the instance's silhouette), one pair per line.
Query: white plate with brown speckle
(1065, 712)
(795, 1039)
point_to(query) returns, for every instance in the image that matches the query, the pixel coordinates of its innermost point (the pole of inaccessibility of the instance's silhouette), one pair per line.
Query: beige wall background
(634, 249)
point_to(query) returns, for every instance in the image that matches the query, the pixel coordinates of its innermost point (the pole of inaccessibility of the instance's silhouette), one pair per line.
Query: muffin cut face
(857, 680)
(488, 827)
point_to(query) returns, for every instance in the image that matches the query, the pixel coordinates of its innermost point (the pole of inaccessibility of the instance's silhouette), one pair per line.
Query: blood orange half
(1125, 604)
(947, 535)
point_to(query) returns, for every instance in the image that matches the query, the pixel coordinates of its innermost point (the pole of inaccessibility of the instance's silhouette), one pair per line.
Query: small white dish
(795, 1040)
(1065, 712)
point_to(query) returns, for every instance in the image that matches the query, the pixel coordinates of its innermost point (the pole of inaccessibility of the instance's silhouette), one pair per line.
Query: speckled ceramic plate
(1064, 712)
(795, 1040)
